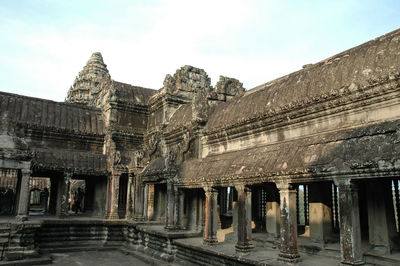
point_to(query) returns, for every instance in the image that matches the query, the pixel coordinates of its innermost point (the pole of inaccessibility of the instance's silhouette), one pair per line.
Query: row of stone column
(350, 240)
(281, 216)
(62, 195)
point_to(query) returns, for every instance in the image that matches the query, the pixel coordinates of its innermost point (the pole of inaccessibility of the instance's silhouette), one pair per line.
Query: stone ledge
(33, 261)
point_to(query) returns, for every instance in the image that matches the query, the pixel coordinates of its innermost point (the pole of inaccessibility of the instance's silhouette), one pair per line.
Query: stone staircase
(4, 239)
(67, 237)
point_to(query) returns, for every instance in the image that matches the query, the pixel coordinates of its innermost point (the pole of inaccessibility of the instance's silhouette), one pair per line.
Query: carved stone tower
(89, 82)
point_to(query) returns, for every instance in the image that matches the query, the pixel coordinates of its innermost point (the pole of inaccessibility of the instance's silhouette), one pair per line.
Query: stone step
(381, 260)
(193, 256)
(75, 248)
(72, 243)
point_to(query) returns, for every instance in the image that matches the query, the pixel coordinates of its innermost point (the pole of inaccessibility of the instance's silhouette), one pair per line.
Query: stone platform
(64, 240)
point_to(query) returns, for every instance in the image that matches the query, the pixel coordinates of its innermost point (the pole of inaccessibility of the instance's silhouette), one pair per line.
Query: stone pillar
(129, 200)
(181, 210)
(53, 195)
(146, 201)
(211, 222)
(150, 203)
(176, 208)
(288, 225)
(381, 218)
(112, 197)
(243, 244)
(63, 195)
(273, 212)
(350, 235)
(320, 204)
(139, 198)
(235, 217)
(170, 213)
(23, 201)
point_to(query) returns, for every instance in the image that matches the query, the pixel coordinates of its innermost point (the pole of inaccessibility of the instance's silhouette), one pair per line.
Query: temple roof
(357, 66)
(35, 112)
(132, 94)
(343, 151)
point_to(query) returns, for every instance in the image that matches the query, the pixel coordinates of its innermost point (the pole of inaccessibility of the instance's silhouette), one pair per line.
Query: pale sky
(45, 43)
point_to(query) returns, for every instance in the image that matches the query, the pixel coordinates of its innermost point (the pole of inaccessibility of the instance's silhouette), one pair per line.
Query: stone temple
(303, 169)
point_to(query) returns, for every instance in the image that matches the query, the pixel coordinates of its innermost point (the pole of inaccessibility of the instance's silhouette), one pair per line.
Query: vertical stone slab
(112, 197)
(273, 218)
(273, 212)
(381, 220)
(23, 201)
(350, 235)
(244, 233)
(211, 222)
(288, 252)
(63, 195)
(320, 205)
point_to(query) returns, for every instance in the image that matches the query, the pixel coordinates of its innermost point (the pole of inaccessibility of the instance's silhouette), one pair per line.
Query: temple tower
(90, 81)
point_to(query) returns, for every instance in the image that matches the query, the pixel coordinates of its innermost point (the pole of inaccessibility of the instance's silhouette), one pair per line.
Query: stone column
(139, 198)
(145, 201)
(243, 244)
(63, 195)
(211, 222)
(53, 195)
(23, 201)
(288, 225)
(350, 235)
(112, 197)
(129, 200)
(150, 203)
(381, 218)
(235, 217)
(170, 212)
(176, 208)
(181, 210)
(273, 212)
(320, 202)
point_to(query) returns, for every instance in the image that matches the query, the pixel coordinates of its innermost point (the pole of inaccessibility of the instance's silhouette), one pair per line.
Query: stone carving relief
(176, 153)
(187, 79)
(117, 158)
(229, 86)
(138, 157)
(152, 149)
